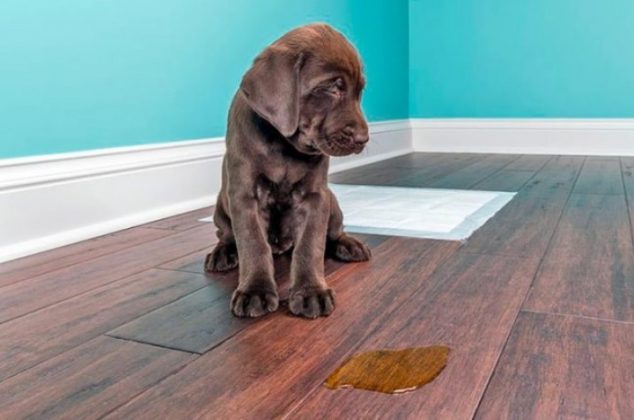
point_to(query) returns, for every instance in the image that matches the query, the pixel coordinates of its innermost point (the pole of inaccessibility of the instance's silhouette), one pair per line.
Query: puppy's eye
(337, 87)
(334, 88)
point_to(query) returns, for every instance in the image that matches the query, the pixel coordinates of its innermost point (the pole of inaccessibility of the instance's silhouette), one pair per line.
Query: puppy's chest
(279, 196)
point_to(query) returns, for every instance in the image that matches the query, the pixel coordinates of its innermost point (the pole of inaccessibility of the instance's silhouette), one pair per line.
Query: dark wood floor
(537, 306)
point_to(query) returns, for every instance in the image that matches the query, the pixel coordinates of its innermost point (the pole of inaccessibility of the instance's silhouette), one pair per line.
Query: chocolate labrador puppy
(296, 106)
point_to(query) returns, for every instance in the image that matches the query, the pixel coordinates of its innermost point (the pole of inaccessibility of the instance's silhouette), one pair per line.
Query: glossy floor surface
(537, 307)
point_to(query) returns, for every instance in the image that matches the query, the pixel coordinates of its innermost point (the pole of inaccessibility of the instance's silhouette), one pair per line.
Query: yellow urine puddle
(390, 371)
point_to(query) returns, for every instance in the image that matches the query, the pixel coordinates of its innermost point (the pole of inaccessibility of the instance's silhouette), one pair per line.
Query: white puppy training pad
(415, 212)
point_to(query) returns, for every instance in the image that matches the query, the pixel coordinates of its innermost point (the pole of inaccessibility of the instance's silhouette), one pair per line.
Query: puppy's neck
(284, 145)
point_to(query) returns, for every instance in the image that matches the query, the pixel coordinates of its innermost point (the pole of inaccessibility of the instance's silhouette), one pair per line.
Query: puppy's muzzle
(356, 138)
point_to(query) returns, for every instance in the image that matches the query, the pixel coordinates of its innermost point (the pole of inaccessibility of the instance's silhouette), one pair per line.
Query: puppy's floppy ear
(272, 88)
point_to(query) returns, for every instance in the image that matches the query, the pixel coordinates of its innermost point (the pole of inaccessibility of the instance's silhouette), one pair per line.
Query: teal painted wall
(521, 58)
(79, 75)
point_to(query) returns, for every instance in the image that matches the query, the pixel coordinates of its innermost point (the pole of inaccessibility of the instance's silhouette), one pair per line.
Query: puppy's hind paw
(224, 257)
(349, 249)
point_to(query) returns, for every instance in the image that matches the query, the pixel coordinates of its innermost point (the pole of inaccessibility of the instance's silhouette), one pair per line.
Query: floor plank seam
(432, 178)
(161, 228)
(90, 291)
(493, 173)
(212, 242)
(535, 172)
(100, 285)
(552, 235)
(104, 333)
(147, 343)
(599, 194)
(579, 316)
(528, 290)
(178, 270)
(215, 346)
(627, 200)
(407, 167)
(151, 386)
(181, 270)
(593, 194)
(546, 162)
(229, 337)
(90, 259)
(493, 253)
(467, 166)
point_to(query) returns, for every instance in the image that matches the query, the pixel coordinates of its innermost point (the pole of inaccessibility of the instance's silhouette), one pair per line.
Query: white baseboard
(600, 137)
(51, 201)
(54, 200)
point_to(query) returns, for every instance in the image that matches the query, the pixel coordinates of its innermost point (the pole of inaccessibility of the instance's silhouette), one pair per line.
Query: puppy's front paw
(349, 249)
(311, 302)
(254, 302)
(224, 257)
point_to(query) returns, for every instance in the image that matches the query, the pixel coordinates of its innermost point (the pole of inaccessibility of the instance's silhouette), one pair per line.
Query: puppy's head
(308, 86)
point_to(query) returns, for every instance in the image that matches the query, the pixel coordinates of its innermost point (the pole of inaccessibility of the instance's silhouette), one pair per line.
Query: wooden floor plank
(426, 177)
(589, 269)
(523, 228)
(37, 292)
(557, 178)
(34, 338)
(529, 163)
(185, 323)
(600, 176)
(410, 161)
(564, 368)
(370, 176)
(525, 225)
(414, 174)
(194, 323)
(422, 160)
(504, 180)
(281, 358)
(34, 265)
(391, 171)
(457, 170)
(87, 381)
(470, 305)
(466, 177)
(183, 221)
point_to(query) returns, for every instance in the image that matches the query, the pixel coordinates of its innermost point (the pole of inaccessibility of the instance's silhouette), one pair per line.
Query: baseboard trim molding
(33, 171)
(72, 235)
(599, 137)
(55, 200)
